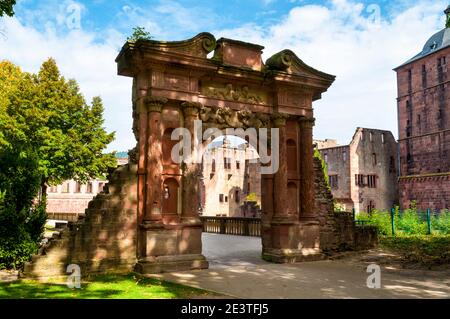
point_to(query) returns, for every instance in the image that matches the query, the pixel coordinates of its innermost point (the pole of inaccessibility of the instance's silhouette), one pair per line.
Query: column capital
(306, 122)
(191, 108)
(154, 103)
(279, 119)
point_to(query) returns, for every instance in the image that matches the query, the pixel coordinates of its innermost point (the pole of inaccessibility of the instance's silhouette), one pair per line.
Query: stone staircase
(102, 241)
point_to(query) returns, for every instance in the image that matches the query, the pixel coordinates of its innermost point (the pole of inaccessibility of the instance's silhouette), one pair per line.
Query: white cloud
(343, 39)
(347, 40)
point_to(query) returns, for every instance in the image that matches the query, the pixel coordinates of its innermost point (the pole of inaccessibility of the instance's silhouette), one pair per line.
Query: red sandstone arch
(175, 84)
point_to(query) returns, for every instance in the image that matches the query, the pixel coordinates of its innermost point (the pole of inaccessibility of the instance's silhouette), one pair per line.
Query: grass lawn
(131, 286)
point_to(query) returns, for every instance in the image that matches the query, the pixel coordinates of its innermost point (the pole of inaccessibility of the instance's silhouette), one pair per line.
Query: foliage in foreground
(420, 249)
(130, 286)
(48, 134)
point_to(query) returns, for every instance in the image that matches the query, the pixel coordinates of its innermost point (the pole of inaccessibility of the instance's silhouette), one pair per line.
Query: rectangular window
(226, 199)
(65, 187)
(227, 162)
(237, 198)
(78, 187)
(221, 198)
(344, 156)
(333, 179)
(53, 189)
(100, 187)
(372, 181)
(238, 165)
(374, 159)
(392, 165)
(359, 180)
(89, 188)
(371, 136)
(424, 76)
(382, 138)
(409, 81)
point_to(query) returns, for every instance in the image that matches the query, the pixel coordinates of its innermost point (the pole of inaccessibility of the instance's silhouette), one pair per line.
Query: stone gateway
(147, 218)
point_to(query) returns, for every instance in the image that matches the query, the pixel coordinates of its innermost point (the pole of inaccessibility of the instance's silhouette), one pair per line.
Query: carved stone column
(191, 170)
(154, 165)
(281, 180)
(141, 135)
(306, 168)
(282, 244)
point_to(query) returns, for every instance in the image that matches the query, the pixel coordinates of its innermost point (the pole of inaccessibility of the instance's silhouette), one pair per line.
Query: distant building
(424, 124)
(230, 175)
(327, 143)
(363, 174)
(72, 198)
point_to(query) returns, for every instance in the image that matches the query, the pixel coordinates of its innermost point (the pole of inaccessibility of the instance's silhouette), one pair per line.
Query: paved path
(237, 270)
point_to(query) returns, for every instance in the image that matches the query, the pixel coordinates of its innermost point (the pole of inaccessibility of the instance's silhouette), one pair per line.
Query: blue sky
(358, 41)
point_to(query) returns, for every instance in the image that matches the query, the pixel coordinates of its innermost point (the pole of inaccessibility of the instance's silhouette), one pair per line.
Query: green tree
(139, 33)
(48, 133)
(66, 131)
(6, 7)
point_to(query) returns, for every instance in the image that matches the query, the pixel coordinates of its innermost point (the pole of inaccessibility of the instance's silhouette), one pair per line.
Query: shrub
(441, 222)
(21, 223)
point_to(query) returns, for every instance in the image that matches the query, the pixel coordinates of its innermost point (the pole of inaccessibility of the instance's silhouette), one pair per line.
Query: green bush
(408, 222)
(382, 220)
(21, 222)
(441, 223)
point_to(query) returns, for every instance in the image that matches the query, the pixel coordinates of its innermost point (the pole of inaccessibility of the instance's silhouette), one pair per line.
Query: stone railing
(240, 226)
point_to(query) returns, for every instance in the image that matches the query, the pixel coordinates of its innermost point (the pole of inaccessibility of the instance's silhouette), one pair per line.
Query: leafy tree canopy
(49, 113)
(6, 7)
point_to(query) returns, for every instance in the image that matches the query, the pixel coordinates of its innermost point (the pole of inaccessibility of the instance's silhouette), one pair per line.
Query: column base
(290, 256)
(281, 256)
(191, 221)
(161, 264)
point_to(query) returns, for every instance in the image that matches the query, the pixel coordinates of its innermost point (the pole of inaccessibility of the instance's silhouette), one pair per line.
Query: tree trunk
(43, 191)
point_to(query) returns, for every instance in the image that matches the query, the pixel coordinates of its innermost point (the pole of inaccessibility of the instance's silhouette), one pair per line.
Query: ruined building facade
(424, 124)
(363, 174)
(230, 181)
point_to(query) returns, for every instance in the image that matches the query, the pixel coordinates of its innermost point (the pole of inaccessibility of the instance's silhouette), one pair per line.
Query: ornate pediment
(287, 61)
(198, 46)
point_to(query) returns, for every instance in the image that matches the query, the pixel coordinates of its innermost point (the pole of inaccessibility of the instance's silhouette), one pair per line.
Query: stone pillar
(280, 180)
(192, 170)
(309, 228)
(154, 165)
(283, 244)
(306, 168)
(142, 158)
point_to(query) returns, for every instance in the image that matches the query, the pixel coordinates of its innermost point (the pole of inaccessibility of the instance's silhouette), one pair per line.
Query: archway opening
(230, 202)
